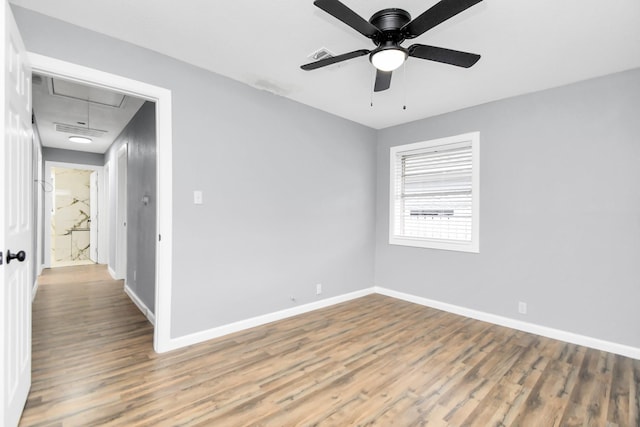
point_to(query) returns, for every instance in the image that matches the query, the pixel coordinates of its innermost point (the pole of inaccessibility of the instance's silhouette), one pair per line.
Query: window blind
(433, 193)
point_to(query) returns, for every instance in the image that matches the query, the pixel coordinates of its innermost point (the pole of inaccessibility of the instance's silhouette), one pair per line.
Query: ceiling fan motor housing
(389, 22)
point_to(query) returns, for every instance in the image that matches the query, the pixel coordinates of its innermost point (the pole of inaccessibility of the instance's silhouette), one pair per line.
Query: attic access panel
(86, 93)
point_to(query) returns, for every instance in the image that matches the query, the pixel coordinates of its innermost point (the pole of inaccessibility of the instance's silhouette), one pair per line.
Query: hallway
(86, 331)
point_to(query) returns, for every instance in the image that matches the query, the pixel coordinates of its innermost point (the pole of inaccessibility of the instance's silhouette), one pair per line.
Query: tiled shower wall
(70, 216)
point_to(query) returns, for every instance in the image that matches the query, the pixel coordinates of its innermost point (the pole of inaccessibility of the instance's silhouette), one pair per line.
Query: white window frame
(423, 242)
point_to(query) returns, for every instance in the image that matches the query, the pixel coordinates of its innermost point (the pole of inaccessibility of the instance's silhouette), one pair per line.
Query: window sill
(471, 247)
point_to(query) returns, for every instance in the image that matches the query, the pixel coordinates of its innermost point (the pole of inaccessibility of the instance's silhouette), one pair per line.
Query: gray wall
(286, 206)
(140, 137)
(71, 156)
(559, 214)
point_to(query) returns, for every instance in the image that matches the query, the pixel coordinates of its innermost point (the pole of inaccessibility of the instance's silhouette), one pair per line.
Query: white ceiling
(525, 45)
(78, 110)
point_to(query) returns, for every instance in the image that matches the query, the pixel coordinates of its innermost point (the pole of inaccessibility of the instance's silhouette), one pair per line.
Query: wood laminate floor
(371, 361)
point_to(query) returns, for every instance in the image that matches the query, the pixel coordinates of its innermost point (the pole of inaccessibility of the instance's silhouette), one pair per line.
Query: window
(434, 200)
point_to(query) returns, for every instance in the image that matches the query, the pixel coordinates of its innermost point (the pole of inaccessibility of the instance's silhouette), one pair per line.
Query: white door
(121, 214)
(15, 224)
(93, 216)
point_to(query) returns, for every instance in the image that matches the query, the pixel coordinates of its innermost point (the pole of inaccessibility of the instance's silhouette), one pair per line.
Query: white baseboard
(151, 317)
(241, 325)
(544, 331)
(111, 272)
(141, 305)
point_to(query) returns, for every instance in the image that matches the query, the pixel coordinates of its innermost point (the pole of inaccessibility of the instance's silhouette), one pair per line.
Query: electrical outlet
(318, 288)
(522, 307)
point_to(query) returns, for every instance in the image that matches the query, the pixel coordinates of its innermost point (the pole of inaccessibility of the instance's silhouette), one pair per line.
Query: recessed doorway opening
(72, 221)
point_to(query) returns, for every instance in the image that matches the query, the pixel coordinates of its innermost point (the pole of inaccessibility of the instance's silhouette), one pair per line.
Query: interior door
(93, 216)
(15, 224)
(121, 214)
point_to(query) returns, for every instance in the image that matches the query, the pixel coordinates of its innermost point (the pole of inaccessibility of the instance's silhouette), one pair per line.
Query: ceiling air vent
(77, 130)
(322, 53)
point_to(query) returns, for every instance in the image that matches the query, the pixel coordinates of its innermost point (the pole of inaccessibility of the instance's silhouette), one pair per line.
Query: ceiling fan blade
(436, 15)
(440, 54)
(383, 80)
(348, 16)
(339, 58)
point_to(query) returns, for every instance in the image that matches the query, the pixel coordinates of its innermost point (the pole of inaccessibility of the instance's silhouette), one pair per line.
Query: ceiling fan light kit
(388, 28)
(388, 58)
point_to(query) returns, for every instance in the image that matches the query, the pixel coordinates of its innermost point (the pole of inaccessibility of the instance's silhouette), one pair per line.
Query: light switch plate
(197, 197)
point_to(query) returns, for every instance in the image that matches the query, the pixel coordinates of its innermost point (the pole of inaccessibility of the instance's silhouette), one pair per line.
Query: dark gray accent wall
(141, 204)
(140, 137)
(289, 191)
(559, 211)
(50, 154)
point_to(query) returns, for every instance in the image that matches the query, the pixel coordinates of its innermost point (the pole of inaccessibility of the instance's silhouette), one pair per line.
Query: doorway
(118, 129)
(163, 194)
(71, 217)
(74, 219)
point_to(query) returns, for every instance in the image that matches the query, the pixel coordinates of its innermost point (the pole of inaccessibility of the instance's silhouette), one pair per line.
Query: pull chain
(373, 73)
(404, 84)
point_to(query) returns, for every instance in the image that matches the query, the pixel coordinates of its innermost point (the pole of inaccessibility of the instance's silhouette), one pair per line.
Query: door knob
(20, 256)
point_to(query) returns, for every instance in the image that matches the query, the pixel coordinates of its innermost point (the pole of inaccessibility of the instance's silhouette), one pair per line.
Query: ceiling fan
(388, 28)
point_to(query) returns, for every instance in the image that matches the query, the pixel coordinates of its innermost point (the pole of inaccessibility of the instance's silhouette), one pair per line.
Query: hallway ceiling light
(80, 139)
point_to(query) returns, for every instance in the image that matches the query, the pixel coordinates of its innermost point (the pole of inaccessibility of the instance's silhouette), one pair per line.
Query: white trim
(111, 272)
(544, 331)
(570, 337)
(34, 290)
(151, 318)
(164, 221)
(241, 325)
(48, 203)
(140, 304)
(472, 246)
(162, 98)
(38, 201)
(105, 238)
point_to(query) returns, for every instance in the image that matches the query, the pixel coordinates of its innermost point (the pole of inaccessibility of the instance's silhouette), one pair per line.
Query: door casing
(95, 205)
